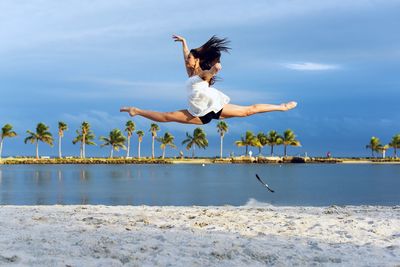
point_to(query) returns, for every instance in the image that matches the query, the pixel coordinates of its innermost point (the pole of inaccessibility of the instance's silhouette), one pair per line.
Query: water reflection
(4, 196)
(116, 174)
(84, 199)
(85, 175)
(139, 173)
(197, 185)
(60, 187)
(60, 175)
(42, 177)
(129, 173)
(40, 199)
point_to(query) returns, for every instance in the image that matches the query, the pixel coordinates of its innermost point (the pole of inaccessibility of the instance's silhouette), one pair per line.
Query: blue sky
(81, 60)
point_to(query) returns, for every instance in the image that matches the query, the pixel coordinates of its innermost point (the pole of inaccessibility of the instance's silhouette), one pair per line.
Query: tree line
(116, 139)
(376, 146)
(271, 139)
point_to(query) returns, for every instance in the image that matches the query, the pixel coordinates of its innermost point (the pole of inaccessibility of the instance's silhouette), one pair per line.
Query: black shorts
(209, 116)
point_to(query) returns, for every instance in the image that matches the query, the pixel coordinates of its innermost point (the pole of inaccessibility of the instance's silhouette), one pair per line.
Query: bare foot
(131, 110)
(288, 106)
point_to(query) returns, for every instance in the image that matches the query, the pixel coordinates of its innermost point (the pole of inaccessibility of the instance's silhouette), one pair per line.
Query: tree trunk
(111, 153)
(247, 151)
(83, 146)
(59, 146)
(152, 148)
(1, 147)
(37, 149)
(272, 150)
(163, 153)
(129, 144)
(138, 150)
(193, 152)
(222, 140)
(284, 148)
(80, 151)
(395, 153)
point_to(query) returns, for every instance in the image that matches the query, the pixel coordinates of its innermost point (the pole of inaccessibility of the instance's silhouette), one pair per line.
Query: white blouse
(202, 98)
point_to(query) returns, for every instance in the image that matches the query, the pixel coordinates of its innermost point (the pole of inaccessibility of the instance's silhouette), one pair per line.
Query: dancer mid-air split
(205, 102)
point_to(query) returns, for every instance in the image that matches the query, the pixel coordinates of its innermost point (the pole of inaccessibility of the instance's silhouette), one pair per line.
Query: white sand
(199, 236)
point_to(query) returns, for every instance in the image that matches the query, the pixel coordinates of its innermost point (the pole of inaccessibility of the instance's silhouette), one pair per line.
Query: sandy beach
(252, 235)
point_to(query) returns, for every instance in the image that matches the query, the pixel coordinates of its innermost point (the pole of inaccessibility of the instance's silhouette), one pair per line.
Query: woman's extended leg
(182, 116)
(230, 110)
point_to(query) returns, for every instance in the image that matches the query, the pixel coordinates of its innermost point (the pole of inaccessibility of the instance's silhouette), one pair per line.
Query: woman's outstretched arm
(185, 49)
(206, 75)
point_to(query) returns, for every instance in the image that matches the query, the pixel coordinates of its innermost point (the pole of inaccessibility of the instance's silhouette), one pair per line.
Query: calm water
(294, 184)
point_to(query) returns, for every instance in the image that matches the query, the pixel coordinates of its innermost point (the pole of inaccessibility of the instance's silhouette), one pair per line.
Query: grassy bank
(252, 160)
(84, 161)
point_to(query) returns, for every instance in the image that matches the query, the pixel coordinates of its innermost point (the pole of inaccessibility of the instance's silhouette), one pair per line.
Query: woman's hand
(178, 38)
(207, 75)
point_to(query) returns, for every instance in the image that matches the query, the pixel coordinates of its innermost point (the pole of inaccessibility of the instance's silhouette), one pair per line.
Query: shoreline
(233, 160)
(254, 235)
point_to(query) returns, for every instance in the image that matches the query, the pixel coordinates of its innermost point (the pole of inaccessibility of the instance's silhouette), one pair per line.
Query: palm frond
(7, 131)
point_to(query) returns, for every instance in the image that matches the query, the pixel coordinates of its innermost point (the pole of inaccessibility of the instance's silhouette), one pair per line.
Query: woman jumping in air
(205, 102)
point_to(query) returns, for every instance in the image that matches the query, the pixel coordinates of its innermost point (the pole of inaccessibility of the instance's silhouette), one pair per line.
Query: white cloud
(98, 119)
(310, 66)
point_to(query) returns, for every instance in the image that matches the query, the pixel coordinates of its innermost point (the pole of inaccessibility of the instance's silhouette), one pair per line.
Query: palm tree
(85, 136)
(42, 134)
(167, 140)
(115, 139)
(273, 139)
(140, 135)
(85, 129)
(249, 140)
(289, 139)
(374, 144)
(6, 131)
(198, 139)
(130, 128)
(153, 129)
(395, 144)
(263, 140)
(62, 126)
(222, 127)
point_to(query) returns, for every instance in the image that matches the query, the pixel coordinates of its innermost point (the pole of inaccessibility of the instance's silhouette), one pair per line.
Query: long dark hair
(210, 53)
